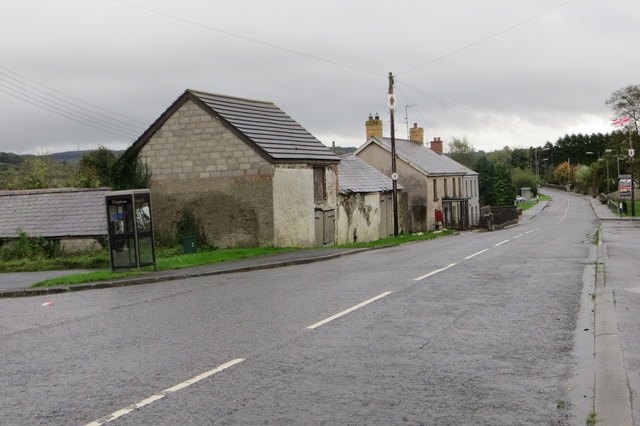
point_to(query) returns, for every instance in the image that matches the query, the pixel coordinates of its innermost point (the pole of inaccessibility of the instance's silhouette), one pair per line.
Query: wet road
(472, 329)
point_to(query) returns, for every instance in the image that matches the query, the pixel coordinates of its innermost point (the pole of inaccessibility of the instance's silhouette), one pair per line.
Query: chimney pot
(436, 145)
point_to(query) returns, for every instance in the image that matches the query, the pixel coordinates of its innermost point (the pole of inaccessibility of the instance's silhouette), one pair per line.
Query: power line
(245, 38)
(475, 43)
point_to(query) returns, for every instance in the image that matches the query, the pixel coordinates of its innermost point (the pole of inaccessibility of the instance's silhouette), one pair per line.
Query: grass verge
(217, 256)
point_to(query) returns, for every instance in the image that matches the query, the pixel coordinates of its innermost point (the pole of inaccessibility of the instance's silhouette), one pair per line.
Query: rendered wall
(293, 206)
(200, 166)
(416, 188)
(358, 218)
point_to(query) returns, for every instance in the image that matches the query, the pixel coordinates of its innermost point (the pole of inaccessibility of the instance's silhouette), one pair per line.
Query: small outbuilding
(74, 218)
(365, 204)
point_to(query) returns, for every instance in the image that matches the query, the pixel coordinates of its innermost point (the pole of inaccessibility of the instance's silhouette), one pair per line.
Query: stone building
(435, 184)
(247, 172)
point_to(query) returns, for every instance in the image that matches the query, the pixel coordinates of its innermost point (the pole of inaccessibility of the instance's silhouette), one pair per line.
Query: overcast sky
(496, 72)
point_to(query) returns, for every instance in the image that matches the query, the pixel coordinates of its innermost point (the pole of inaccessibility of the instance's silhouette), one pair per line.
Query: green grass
(170, 262)
(167, 263)
(628, 214)
(400, 239)
(90, 261)
(529, 204)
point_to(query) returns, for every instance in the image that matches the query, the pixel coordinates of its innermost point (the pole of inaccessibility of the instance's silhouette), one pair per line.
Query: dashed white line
(154, 398)
(475, 254)
(501, 243)
(346, 311)
(517, 236)
(434, 272)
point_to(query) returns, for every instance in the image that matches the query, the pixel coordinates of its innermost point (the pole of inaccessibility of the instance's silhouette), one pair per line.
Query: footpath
(617, 348)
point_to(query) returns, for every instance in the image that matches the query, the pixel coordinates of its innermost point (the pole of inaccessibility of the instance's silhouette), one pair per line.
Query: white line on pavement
(517, 236)
(154, 398)
(501, 243)
(434, 272)
(346, 311)
(475, 254)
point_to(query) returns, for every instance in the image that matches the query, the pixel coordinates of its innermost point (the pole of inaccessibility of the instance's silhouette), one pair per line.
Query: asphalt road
(472, 329)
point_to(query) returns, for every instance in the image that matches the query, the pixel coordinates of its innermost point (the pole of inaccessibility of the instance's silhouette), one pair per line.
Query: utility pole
(394, 174)
(633, 190)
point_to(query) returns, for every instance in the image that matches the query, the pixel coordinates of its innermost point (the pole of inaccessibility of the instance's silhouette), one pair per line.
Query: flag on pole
(621, 122)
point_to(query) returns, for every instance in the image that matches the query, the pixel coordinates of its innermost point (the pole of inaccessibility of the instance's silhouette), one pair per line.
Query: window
(445, 188)
(435, 189)
(453, 183)
(319, 184)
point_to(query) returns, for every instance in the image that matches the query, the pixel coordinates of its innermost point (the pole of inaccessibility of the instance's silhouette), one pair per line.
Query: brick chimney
(374, 127)
(416, 134)
(436, 145)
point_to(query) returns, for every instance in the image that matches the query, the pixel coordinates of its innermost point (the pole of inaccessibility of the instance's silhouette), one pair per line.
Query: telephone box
(131, 243)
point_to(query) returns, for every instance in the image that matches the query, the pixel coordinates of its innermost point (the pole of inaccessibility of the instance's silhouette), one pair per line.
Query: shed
(75, 217)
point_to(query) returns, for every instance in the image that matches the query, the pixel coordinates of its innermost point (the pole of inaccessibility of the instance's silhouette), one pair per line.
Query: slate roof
(422, 158)
(274, 132)
(65, 212)
(354, 175)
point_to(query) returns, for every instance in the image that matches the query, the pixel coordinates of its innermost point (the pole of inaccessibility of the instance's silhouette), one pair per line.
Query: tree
(524, 179)
(485, 170)
(563, 173)
(94, 169)
(494, 182)
(626, 102)
(462, 151)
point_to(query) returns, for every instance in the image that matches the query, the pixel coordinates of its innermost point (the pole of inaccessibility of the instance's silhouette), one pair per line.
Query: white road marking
(528, 232)
(564, 215)
(517, 236)
(156, 397)
(346, 311)
(434, 272)
(475, 254)
(501, 243)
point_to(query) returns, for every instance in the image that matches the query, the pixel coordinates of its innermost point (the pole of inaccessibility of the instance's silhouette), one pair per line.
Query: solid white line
(434, 272)
(346, 311)
(475, 254)
(154, 398)
(501, 243)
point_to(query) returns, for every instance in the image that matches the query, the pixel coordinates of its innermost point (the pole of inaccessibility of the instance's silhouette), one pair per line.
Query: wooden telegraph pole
(633, 191)
(394, 174)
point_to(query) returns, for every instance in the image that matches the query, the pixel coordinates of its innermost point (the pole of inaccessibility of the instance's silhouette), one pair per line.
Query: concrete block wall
(200, 165)
(192, 144)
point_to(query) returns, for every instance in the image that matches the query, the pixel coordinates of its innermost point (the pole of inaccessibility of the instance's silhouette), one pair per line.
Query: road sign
(631, 152)
(394, 176)
(624, 189)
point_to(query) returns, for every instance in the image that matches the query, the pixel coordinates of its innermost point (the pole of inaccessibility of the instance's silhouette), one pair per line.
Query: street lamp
(608, 180)
(617, 158)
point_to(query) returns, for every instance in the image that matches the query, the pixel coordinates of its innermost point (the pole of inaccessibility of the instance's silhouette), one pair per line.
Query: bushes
(27, 247)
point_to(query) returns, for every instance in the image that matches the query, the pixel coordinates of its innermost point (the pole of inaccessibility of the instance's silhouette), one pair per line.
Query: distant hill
(67, 157)
(342, 150)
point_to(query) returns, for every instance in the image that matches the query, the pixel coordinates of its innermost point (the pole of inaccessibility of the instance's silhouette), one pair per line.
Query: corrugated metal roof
(421, 157)
(354, 175)
(280, 136)
(64, 212)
